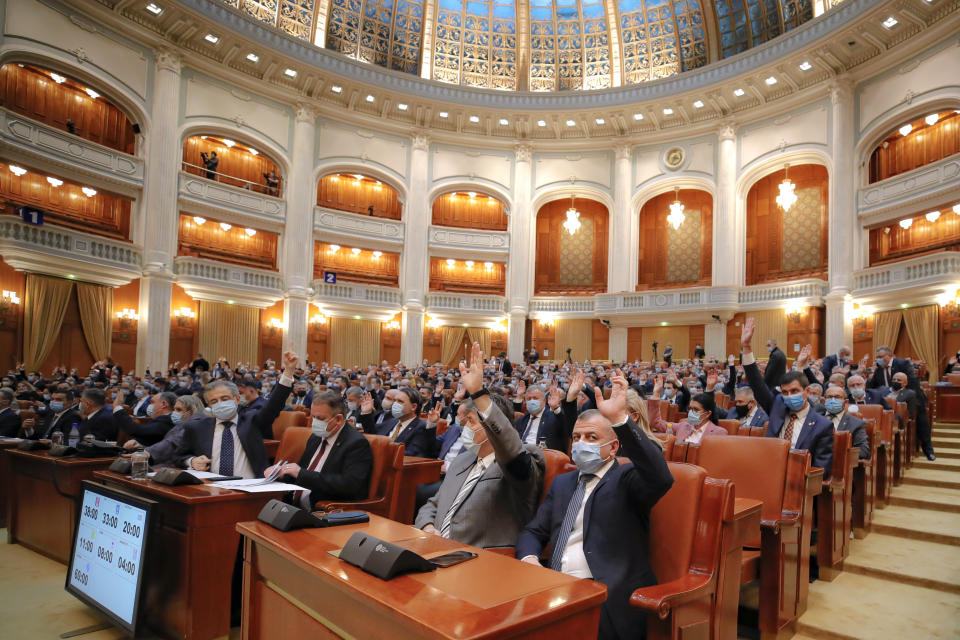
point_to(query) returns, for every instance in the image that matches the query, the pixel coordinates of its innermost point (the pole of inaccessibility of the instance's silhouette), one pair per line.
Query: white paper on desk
(203, 475)
(11, 439)
(256, 485)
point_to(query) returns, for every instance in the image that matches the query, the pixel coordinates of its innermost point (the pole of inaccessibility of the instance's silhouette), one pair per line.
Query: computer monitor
(109, 548)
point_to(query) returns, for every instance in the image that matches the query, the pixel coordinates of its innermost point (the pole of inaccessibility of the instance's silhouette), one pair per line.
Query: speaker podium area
(292, 582)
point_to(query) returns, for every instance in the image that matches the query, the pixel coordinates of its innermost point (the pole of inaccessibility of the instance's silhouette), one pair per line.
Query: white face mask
(468, 436)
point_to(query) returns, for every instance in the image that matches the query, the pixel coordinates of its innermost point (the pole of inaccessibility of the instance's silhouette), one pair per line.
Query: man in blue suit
(791, 416)
(406, 427)
(540, 423)
(597, 519)
(745, 409)
(839, 359)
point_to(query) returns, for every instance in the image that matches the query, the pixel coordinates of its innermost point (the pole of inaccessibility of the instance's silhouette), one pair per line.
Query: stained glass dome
(535, 45)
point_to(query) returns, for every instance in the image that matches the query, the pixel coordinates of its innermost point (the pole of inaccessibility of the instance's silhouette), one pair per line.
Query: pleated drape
(482, 336)
(96, 305)
(45, 304)
(886, 328)
(451, 341)
(921, 323)
(354, 343)
(229, 331)
(576, 335)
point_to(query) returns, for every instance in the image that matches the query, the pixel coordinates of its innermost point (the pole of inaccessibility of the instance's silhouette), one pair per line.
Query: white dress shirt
(140, 402)
(574, 561)
(398, 429)
(305, 500)
(798, 425)
(534, 428)
(747, 419)
(696, 435)
(241, 466)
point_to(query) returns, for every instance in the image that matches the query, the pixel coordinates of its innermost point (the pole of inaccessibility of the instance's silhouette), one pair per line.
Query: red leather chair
(685, 553)
(835, 507)
(557, 463)
(669, 442)
(383, 496)
(288, 419)
(732, 426)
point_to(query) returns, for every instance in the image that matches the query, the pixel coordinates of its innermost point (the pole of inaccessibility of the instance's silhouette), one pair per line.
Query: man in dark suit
(835, 405)
(140, 401)
(791, 417)
(97, 418)
(887, 366)
(668, 354)
(916, 409)
(859, 394)
(337, 461)
(60, 416)
(354, 399)
(250, 399)
(540, 423)
(699, 352)
(745, 408)
(374, 415)
(406, 427)
(199, 365)
(9, 420)
(776, 365)
(224, 443)
(597, 519)
(161, 406)
(839, 359)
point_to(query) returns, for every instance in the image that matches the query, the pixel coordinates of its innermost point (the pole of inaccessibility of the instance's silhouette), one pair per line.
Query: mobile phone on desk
(452, 558)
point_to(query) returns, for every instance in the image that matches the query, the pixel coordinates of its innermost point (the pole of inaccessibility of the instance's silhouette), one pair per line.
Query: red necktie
(299, 495)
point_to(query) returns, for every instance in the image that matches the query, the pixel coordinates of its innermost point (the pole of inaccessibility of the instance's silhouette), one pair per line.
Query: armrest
(786, 519)
(359, 505)
(662, 597)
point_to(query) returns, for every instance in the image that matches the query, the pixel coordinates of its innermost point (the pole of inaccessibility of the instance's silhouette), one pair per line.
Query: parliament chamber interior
(462, 319)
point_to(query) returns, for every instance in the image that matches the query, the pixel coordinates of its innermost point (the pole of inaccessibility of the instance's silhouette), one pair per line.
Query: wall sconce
(499, 327)
(860, 314)
(318, 318)
(948, 301)
(275, 325)
(184, 315)
(546, 321)
(393, 325)
(794, 312)
(433, 323)
(127, 317)
(10, 298)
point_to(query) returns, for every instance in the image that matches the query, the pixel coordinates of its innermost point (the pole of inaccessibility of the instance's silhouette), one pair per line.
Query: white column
(521, 258)
(729, 233)
(297, 258)
(617, 342)
(414, 276)
(618, 273)
(845, 250)
(157, 227)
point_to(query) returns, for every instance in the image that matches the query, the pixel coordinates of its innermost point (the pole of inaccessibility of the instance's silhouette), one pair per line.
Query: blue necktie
(573, 509)
(226, 450)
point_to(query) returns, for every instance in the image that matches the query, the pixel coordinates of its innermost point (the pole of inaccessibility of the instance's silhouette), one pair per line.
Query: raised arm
(754, 378)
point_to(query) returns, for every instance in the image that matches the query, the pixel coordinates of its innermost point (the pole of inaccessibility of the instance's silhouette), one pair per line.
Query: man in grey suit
(835, 405)
(492, 489)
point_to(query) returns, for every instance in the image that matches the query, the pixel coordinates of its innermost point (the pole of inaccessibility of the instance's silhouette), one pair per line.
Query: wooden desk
(5, 481)
(193, 549)
(416, 471)
(947, 405)
(44, 493)
(293, 588)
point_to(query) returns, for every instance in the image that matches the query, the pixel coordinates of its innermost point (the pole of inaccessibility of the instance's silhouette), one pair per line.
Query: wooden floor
(902, 582)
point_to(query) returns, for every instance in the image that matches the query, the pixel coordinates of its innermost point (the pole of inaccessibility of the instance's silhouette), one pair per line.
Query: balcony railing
(469, 239)
(921, 271)
(213, 197)
(764, 293)
(910, 190)
(357, 294)
(468, 303)
(546, 306)
(344, 226)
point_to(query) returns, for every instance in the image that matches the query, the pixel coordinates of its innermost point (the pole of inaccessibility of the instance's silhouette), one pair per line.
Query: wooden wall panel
(600, 347)
(183, 331)
(234, 246)
(30, 91)
(543, 337)
(808, 328)
(550, 219)
(270, 342)
(862, 337)
(696, 336)
(123, 344)
(458, 209)
(459, 278)
(364, 267)
(238, 167)
(734, 328)
(390, 342)
(104, 214)
(924, 144)
(653, 258)
(347, 193)
(764, 225)
(893, 242)
(432, 344)
(635, 350)
(949, 336)
(678, 336)
(11, 317)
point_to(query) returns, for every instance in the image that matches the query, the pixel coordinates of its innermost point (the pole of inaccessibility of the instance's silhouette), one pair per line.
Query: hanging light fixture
(788, 194)
(676, 216)
(572, 223)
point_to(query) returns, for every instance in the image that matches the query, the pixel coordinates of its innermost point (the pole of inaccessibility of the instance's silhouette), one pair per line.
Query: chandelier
(572, 223)
(676, 216)
(787, 191)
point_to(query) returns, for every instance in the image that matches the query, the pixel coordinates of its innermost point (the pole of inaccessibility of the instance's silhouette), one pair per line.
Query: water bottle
(56, 437)
(139, 463)
(542, 443)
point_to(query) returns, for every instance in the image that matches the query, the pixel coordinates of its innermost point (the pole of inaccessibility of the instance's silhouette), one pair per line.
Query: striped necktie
(573, 509)
(464, 492)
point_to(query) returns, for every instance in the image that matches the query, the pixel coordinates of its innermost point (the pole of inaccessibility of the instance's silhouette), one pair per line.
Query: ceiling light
(668, 111)
(638, 116)
(199, 221)
(370, 97)
(17, 171)
(738, 92)
(906, 223)
(226, 226)
(377, 254)
(541, 123)
(403, 106)
(504, 122)
(87, 191)
(203, 137)
(252, 57)
(698, 104)
(771, 81)
(600, 121)
(932, 216)
(572, 224)
(290, 73)
(474, 119)
(444, 114)
(472, 194)
(451, 262)
(54, 182)
(788, 195)
(932, 119)
(891, 22)
(805, 66)
(253, 152)
(56, 77)
(358, 176)
(488, 265)
(334, 248)
(336, 88)
(229, 143)
(93, 94)
(676, 215)
(212, 39)
(355, 251)
(154, 8)
(571, 123)
(469, 264)
(250, 232)
(906, 129)
(956, 209)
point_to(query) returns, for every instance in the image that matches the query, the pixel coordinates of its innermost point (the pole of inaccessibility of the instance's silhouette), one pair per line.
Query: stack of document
(257, 485)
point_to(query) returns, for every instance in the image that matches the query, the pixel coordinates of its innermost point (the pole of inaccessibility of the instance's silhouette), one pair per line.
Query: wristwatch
(483, 392)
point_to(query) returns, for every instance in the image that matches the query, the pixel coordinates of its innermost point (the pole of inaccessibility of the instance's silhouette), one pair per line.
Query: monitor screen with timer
(109, 548)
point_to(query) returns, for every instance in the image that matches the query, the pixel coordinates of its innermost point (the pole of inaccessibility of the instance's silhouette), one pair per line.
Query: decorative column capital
(841, 90)
(306, 114)
(421, 141)
(168, 60)
(524, 152)
(623, 151)
(727, 131)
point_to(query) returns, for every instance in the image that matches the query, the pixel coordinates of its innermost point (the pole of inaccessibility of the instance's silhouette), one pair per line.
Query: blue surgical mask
(858, 392)
(225, 409)
(668, 392)
(176, 417)
(693, 417)
(56, 406)
(138, 393)
(150, 410)
(319, 428)
(397, 410)
(586, 456)
(533, 406)
(794, 402)
(469, 438)
(352, 406)
(833, 405)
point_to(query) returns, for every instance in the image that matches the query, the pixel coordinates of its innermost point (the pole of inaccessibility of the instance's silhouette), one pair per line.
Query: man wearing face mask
(60, 416)
(405, 426)
(859, 394)
(776, 365)
(791, 418)
(492, 487)
(745, 408)
(97, 418)
(251, 402)
(9, 419)
(224, 443)
(539, 423)
(917, 411)
(302, 395)
(597, 519)
(839, 359)
(337, 462)
(159, 410)
(372, 419)
(354, 400)
(835, 406)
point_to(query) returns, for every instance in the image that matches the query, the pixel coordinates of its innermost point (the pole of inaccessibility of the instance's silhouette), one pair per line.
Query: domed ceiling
(535, 45)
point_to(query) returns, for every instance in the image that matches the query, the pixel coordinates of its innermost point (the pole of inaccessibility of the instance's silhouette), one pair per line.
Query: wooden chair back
(383, 495)
(732, 426)
(557, 463)
(293, 443)
(288, 419)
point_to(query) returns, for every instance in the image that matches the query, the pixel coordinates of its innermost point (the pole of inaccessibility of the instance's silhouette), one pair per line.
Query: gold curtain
(922, 329)
(576, 335)
(96, 305)
(679, 337)
(354, 343)
(451, 341)
(482, 336)
(770, 324)
(230, 331)
(886, 329)
(45, 304)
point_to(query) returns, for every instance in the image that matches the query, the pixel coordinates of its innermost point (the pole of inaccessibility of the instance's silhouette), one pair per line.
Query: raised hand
(555, 398)
(803, 356)
(433, 417)
(712, 378)
(472, 375)
(576, 385)
(615, 408)
(291, 361)
(366, 405)
(657, 385)
(746, 333)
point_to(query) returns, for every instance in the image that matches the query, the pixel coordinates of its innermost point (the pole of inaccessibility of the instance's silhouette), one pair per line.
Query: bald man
(612, 503)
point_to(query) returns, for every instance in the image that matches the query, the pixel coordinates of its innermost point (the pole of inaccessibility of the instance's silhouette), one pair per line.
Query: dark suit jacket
(146, 434)
(253, 409)
(827, 365)
(346, 472)
(858, 431)
(140, 410)
(48, 425)
(897, 365)
(198, 433)
(101, 425)
(418, 440)
(550, 428)
(9, 423)
(758, 418)
(447, 440)
(776, 367)
(615, 517)
(872, 396)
